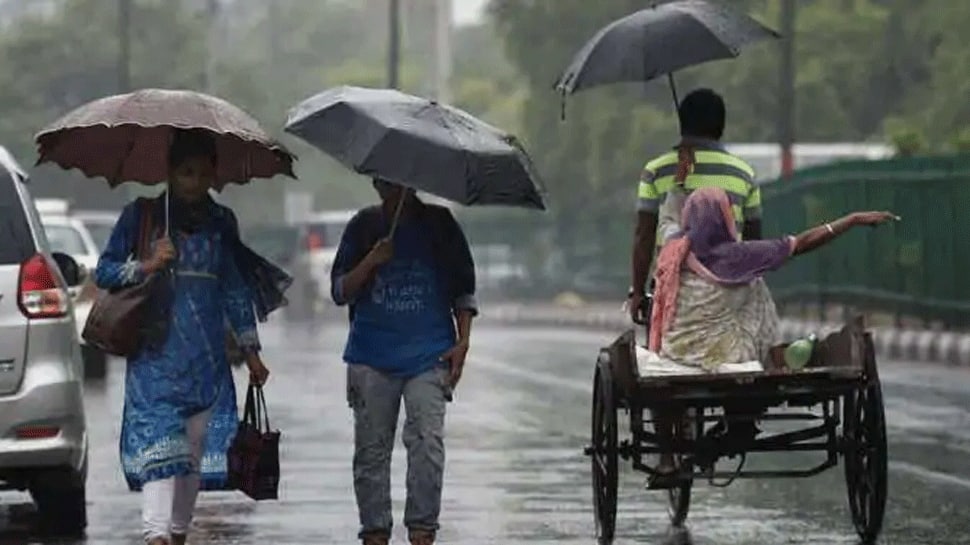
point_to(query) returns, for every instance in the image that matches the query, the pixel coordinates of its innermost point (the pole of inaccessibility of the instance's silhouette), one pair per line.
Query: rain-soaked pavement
(515, 469)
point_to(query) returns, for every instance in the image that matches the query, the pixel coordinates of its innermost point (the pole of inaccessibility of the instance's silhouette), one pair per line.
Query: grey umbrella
(660, 40)
(418, 143)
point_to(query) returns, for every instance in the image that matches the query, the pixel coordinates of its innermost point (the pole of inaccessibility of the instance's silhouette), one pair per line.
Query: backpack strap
(146, 224)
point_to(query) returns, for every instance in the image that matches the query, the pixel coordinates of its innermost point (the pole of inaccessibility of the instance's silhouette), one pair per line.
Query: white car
(99, 224)
(69, 235)
(323, 232)
(44, 448)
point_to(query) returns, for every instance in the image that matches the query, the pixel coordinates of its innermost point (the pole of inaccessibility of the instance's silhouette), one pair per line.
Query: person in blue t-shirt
(411, 298)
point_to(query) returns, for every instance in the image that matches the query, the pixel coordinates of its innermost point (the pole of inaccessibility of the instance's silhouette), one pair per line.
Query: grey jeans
(375, 398)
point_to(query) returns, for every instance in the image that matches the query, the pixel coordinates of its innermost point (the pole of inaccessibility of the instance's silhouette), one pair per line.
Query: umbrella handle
(397, 212)
(673, 89)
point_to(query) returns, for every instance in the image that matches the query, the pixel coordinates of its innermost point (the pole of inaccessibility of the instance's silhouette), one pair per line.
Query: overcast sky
(468, 11)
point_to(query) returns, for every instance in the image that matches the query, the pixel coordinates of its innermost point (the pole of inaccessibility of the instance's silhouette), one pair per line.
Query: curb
(942, 347)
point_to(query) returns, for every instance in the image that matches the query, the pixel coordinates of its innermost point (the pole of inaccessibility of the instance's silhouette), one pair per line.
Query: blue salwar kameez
(188, 372)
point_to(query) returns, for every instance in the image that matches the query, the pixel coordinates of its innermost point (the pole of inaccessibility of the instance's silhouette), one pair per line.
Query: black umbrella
(660, 40)
(420, 144)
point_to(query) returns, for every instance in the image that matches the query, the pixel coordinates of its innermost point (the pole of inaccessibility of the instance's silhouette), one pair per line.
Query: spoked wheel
(604, 453)
(864, 423)
(678, 498)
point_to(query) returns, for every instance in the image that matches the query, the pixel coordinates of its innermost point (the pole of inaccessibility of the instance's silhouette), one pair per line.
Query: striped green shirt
(714, 167)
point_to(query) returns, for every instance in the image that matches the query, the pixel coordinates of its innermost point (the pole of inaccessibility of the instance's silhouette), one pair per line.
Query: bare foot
(420, 537)
(376, 540)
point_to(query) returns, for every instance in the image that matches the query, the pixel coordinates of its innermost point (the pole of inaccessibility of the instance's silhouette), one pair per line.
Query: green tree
(859, 64)
(333, 42)
(593, 159)
(266, 57)
(52, 64)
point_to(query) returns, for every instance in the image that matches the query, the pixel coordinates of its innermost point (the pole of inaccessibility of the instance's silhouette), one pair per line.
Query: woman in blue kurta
(180, 401)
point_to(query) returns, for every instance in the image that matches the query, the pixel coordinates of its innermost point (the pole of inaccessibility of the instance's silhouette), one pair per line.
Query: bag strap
(256, 404)
(249, 409)
(145, 227)
(261, 402)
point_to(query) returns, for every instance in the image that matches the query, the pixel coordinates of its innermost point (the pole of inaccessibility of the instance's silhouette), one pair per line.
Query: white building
(765, 157)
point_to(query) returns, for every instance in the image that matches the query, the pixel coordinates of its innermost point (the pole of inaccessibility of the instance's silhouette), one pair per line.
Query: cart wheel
(604, 453)
(864, 423)
(678, 499)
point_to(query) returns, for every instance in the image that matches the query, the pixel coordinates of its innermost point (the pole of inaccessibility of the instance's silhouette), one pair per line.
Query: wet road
(515, 470)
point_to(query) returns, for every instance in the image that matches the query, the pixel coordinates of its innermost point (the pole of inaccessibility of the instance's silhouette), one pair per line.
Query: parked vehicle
(69, 234)
(99, 224)
(43, 433)
(323, 231)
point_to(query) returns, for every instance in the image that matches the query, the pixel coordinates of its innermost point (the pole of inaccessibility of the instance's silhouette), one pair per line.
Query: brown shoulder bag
(115, 324)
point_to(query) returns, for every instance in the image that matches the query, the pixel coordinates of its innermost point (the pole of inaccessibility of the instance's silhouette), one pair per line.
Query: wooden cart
(835, 405)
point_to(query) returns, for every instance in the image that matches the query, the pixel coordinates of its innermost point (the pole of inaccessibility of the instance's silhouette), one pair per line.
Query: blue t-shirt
(402, 324)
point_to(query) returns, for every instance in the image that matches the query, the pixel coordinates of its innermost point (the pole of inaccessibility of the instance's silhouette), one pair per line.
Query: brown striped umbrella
(126, 138)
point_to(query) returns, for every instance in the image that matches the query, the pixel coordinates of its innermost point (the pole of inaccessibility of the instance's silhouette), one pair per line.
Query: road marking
(929, 474)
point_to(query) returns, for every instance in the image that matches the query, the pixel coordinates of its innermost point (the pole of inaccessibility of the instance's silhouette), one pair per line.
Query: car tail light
(37, 432)
(41, 293)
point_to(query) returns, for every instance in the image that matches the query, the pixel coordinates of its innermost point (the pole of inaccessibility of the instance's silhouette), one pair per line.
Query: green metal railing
(919, 267)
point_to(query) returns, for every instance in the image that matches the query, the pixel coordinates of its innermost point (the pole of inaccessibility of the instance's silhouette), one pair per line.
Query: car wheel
(61, 501)
(95, 362)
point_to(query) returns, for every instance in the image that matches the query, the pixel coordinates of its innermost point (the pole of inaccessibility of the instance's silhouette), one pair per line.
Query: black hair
(702, 114)
(188, 143)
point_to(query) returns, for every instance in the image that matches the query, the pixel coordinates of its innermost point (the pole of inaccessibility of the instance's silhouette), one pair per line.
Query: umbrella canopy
(126, 138)
(658, 41)
(418, 143)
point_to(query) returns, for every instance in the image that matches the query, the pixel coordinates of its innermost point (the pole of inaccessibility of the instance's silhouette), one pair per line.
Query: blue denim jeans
(375, 398)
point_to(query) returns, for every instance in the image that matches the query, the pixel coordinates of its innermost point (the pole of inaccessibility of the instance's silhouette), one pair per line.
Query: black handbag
(254, 455)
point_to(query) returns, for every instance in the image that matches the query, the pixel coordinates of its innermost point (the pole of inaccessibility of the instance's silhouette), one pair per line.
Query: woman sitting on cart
(711, 305)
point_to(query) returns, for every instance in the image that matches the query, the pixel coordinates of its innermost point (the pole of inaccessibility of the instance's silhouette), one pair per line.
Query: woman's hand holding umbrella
(163, 254)
(380, 253)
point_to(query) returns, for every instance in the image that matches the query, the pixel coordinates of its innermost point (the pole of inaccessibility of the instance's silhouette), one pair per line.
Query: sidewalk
(947, 348)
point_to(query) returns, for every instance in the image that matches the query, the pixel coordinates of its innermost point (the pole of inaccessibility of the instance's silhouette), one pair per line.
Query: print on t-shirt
(403, 287)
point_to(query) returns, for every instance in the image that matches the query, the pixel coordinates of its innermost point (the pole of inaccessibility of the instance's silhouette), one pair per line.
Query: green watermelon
(799, 353)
